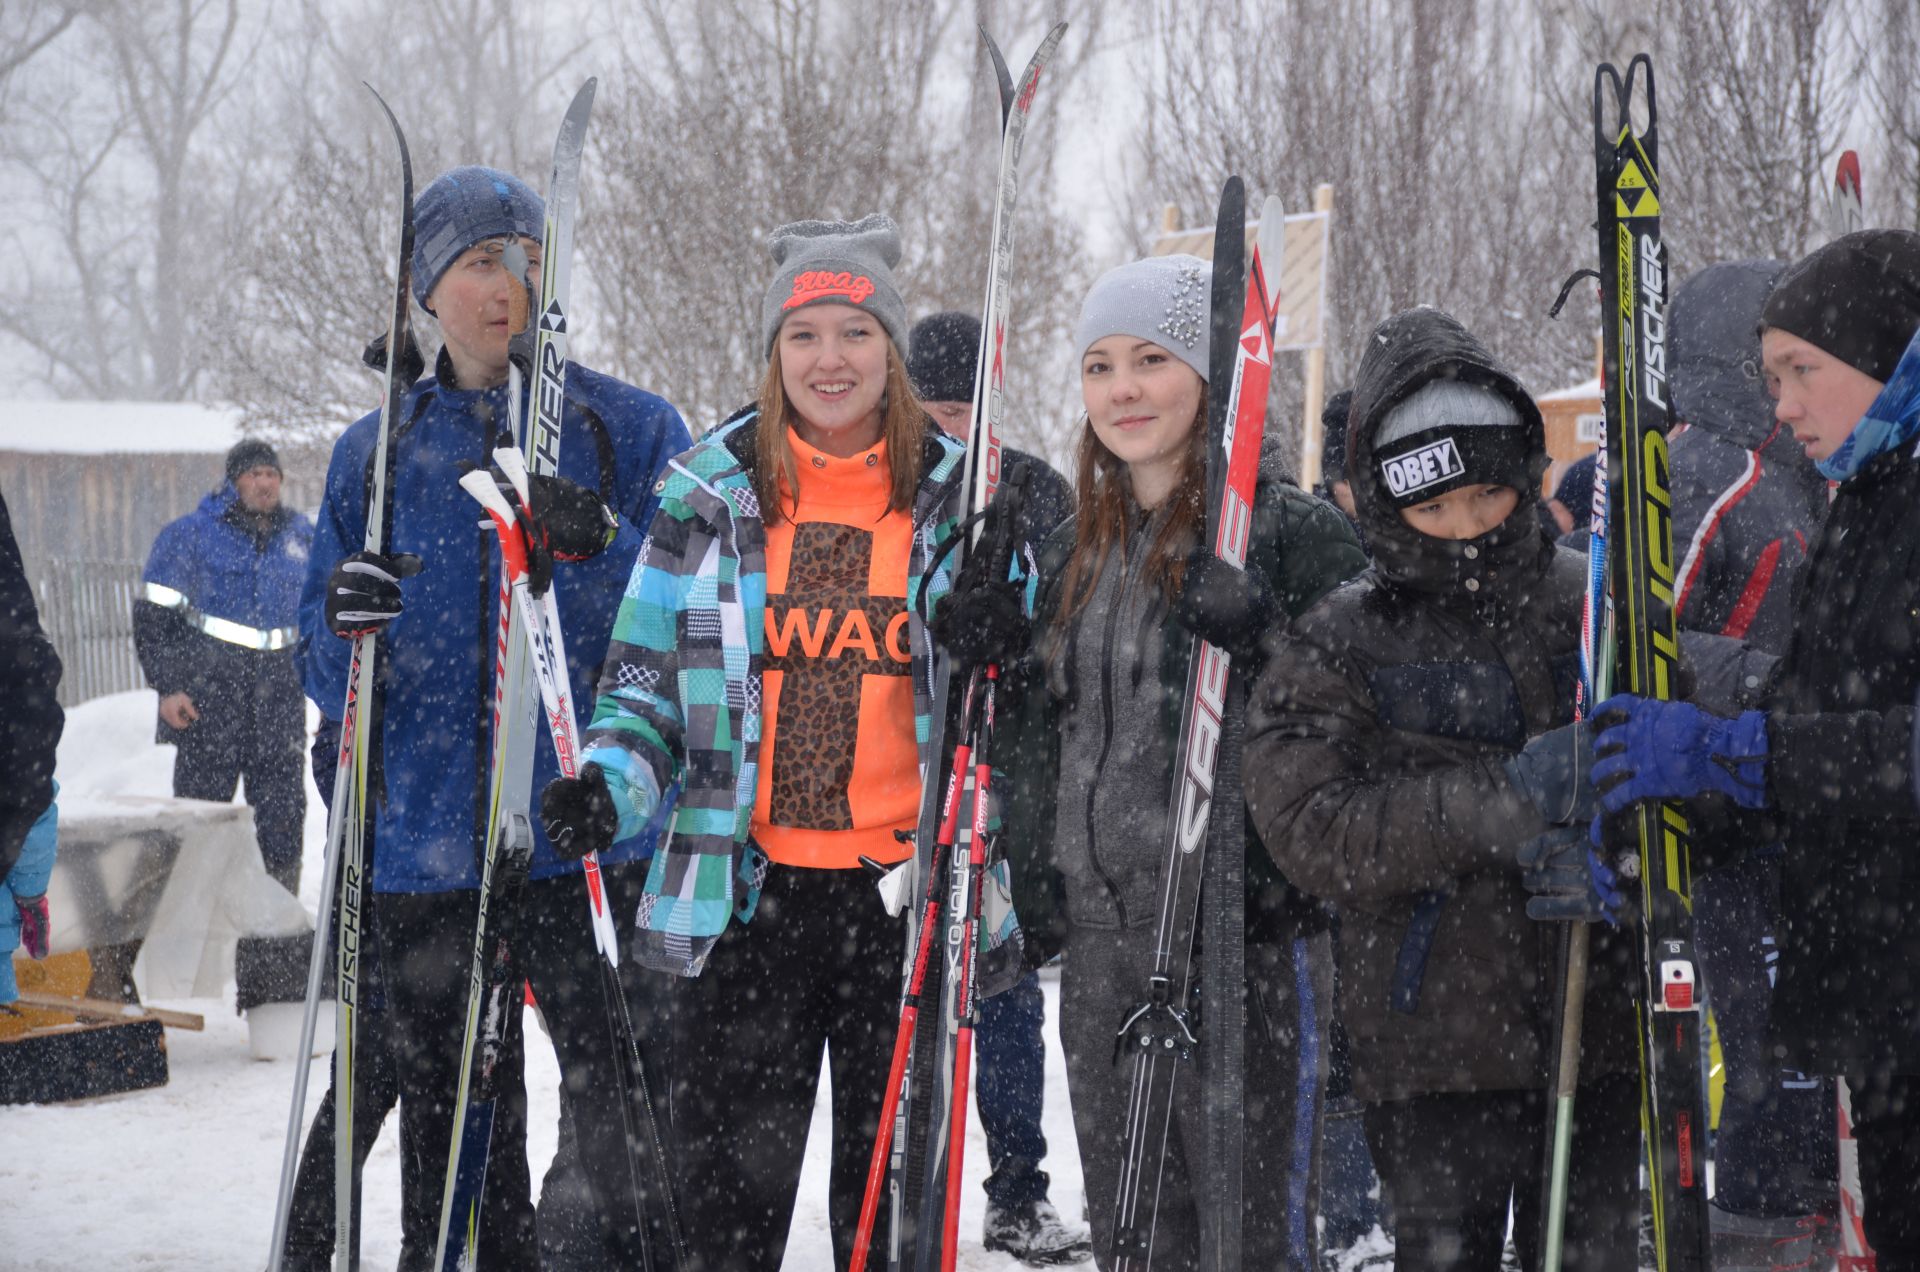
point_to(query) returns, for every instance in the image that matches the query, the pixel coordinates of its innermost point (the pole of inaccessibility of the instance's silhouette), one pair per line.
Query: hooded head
(1713, 351)
(1433, 411)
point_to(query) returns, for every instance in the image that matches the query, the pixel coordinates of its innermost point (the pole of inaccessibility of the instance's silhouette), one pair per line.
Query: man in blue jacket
(437, 629)
(215, 626)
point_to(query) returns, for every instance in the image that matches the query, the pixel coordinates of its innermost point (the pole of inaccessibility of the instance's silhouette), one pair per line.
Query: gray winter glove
(1553, 771)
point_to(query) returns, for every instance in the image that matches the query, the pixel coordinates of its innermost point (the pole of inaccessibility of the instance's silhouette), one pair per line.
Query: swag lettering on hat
(1430, 465)
(818, 284)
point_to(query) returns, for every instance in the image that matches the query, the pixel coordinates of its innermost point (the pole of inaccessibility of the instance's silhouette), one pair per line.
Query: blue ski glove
(1569, 882)
(1648, 749)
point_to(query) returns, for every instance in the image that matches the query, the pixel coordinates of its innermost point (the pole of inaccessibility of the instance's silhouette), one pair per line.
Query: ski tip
(1847, 174)
(1270, 246)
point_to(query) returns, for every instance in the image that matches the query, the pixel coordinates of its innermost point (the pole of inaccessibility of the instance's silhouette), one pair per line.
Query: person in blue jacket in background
(437, 619)
(215, 623)
(215, 626)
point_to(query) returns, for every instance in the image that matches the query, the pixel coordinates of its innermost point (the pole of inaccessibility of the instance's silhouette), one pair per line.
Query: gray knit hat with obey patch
(1163, 299)
(1449, 434)
(836, 263)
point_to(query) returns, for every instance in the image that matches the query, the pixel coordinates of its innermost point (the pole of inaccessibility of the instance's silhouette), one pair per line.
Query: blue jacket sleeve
(340, 529)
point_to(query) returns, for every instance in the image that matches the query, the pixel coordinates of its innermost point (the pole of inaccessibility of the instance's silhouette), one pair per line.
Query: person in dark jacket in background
(30, 728)
(1333, 454)
(943, 355)
(1747, 505)
(1825, 761)
(1409, 749)
(1124, 588)
(1572, 503)
(437, 629)
(215, 626)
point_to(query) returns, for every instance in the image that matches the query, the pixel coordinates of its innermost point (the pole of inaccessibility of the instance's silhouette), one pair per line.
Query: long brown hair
(903, 427)
(1105, 505)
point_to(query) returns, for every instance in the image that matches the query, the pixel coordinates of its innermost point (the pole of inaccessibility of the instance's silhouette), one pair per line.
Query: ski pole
(967, 1001)
(540, 619)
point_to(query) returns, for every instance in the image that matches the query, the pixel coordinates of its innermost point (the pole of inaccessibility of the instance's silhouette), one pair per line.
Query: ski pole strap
(1410, 969)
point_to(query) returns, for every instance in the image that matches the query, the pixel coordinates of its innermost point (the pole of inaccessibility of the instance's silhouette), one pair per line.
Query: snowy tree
(113, 142)
(724, 123)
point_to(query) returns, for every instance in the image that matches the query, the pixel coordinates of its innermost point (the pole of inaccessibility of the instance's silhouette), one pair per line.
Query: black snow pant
(1774, 1155)
(1103, 972)
(1451, 1163)
(256, 733)
(426, 942)
(1886, 1125)
(259, 739)
(409, 1052)
(818, 969)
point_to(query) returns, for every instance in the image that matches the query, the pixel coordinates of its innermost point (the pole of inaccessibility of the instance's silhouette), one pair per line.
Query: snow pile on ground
(184, 1177)
(108, 748)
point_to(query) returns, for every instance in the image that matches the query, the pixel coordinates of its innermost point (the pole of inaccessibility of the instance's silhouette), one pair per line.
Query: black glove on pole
(984, 620)
(578, 814)
(1230, 609)
(363, 592)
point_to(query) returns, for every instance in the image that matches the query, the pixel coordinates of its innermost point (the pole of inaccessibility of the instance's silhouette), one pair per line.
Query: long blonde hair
(1104, 499)
(903, 427)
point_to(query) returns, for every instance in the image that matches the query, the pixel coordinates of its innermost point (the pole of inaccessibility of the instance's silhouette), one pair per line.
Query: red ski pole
(966, 1001)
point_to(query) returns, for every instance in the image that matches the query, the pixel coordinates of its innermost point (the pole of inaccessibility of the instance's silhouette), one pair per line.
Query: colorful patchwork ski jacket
(680, 693)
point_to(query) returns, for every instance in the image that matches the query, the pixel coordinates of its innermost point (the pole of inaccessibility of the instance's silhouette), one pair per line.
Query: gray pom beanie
(836, 263)
(1164, 299)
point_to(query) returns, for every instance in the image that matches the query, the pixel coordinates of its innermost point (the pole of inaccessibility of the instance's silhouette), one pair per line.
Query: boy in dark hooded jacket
(1408, 740)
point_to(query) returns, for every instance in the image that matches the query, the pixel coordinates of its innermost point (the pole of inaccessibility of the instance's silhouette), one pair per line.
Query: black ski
(1654, 837)
(342, 878)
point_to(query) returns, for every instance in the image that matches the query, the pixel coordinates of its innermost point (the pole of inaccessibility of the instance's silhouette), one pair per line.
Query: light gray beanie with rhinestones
(1162, 298)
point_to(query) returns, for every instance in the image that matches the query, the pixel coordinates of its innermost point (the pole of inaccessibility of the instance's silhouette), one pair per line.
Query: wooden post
(1170, 219)
(1316, 394)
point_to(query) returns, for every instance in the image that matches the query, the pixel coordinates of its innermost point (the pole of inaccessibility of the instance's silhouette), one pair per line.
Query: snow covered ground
(184, 1177)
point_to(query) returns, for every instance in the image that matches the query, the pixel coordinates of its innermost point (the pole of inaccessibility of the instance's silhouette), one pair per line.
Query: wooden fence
(86, 608)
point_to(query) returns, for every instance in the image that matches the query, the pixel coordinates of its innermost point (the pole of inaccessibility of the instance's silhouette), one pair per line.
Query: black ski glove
(363, 592)
(1228, 608)
(578, 525)
(984, 619)
(578, 814)
(1554, 773)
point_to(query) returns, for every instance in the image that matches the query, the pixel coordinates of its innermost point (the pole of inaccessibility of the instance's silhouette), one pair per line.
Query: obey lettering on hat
(1424, 468)
(1447, 435)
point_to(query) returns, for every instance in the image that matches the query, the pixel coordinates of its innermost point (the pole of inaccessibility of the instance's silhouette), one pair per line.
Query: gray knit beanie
(1164, 299)
(836, 263)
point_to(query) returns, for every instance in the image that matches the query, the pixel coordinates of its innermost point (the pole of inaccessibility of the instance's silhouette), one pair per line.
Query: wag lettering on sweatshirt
(828, 635)
(1428, 466)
